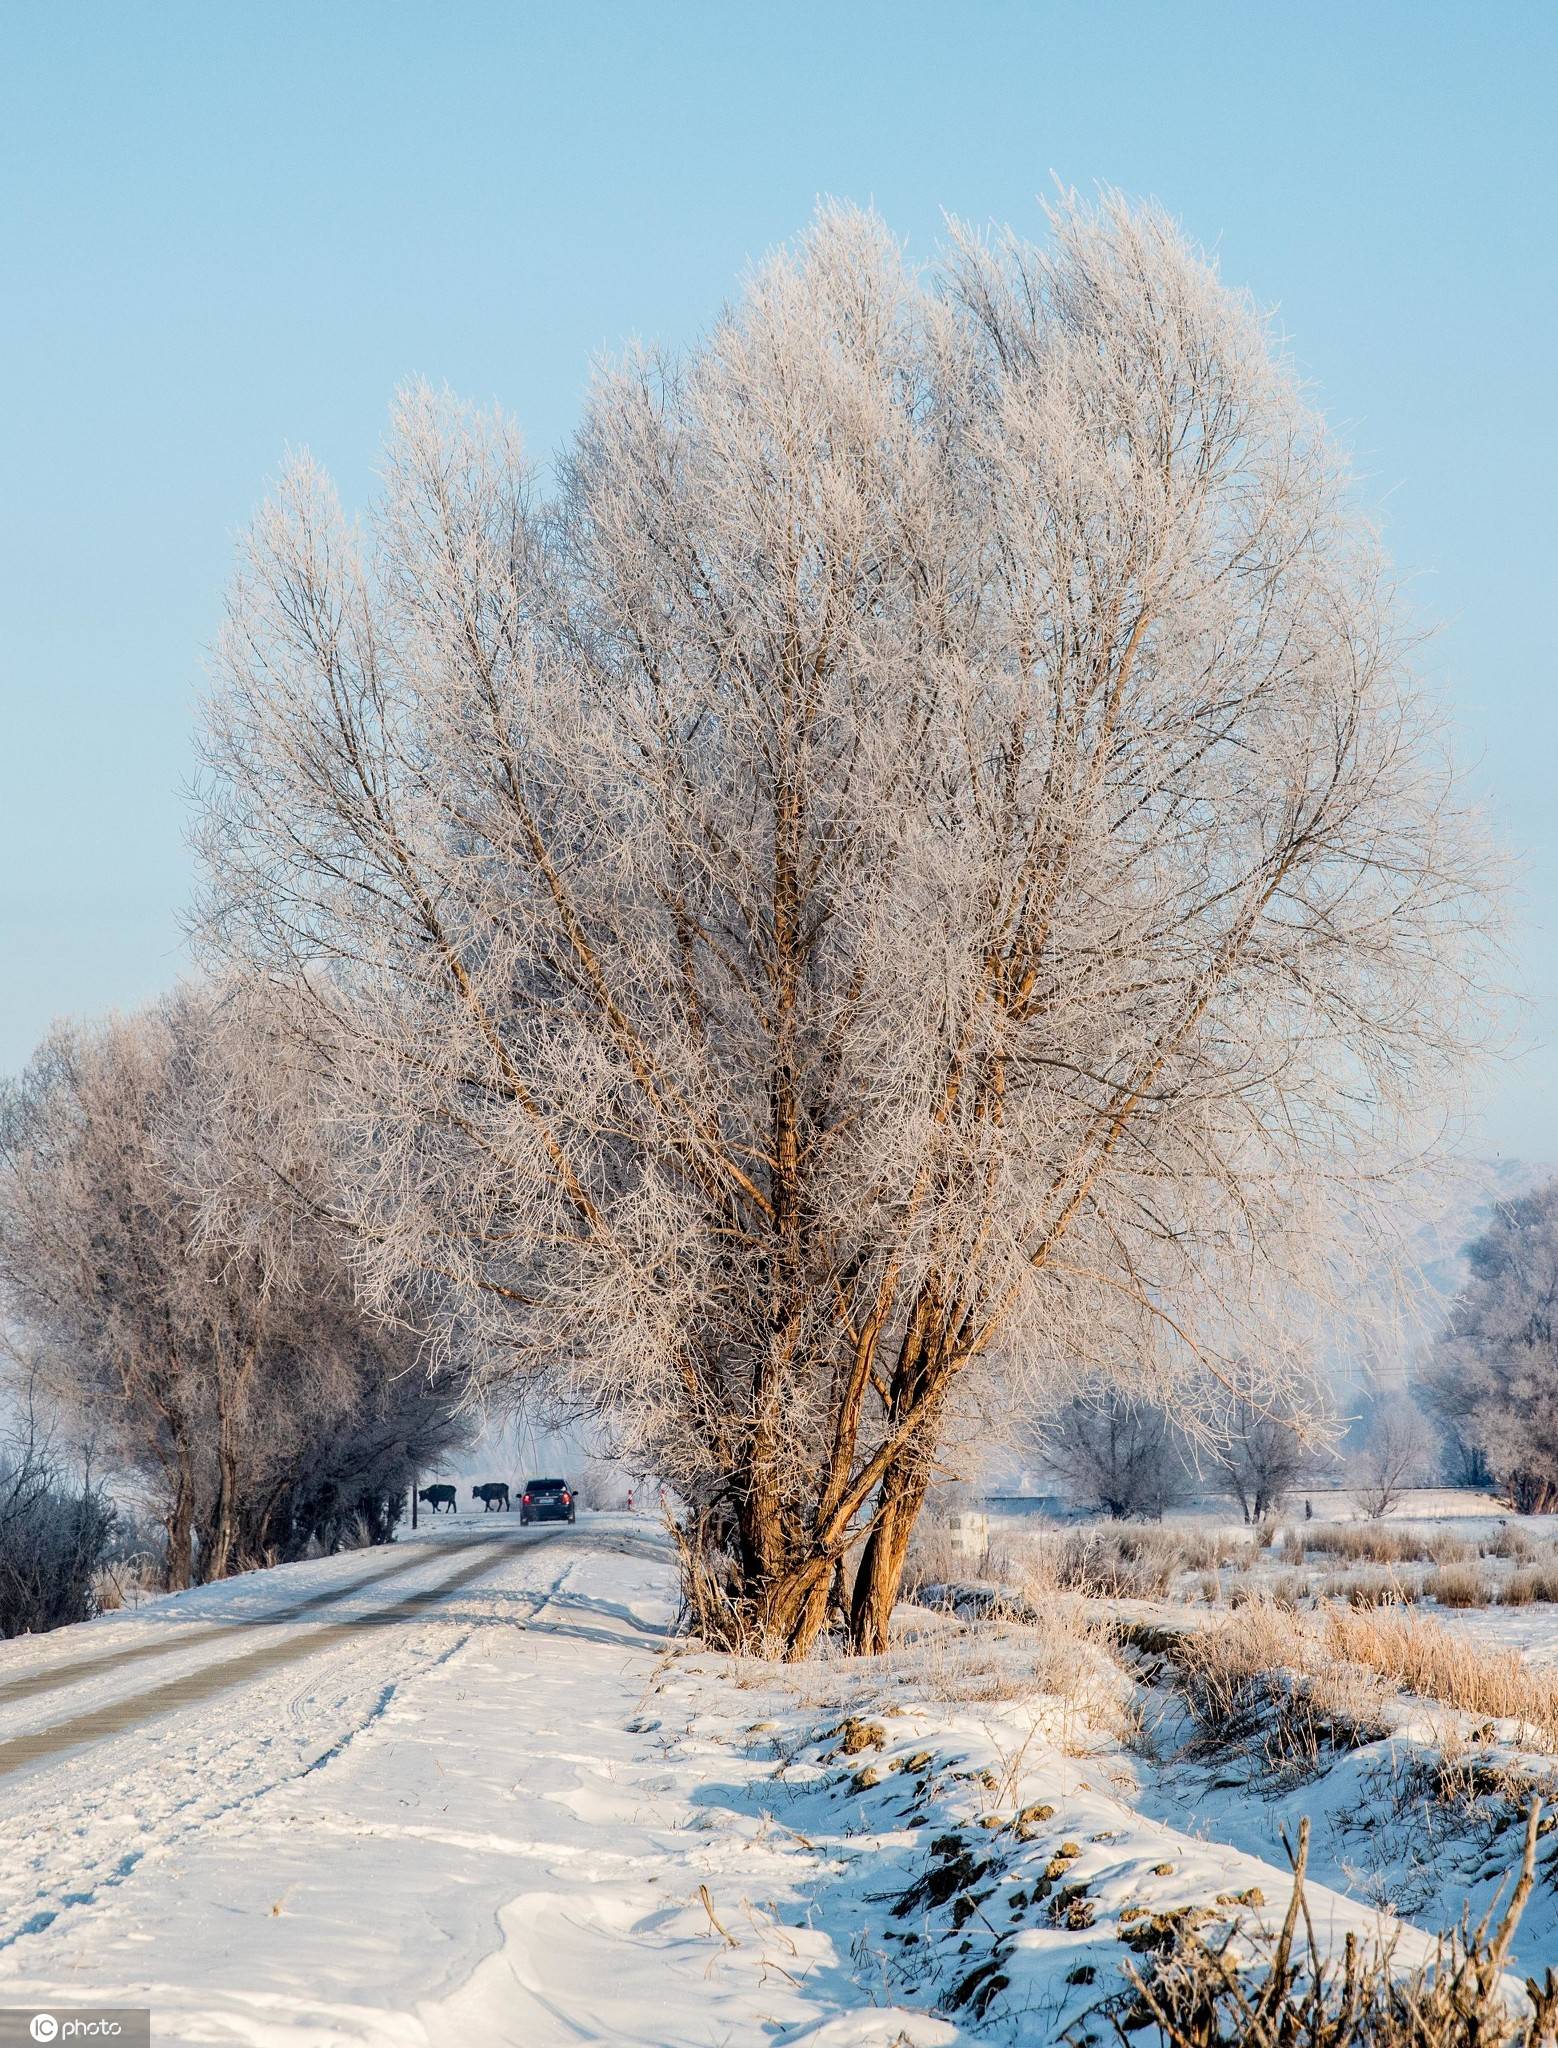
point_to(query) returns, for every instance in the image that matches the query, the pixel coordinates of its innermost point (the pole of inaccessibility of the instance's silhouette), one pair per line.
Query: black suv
(546, 1500)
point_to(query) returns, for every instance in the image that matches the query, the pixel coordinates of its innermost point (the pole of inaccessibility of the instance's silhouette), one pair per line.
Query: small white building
(968, 1532)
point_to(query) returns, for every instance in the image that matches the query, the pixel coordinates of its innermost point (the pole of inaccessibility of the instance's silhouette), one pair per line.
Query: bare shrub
(55, 1535)
(1205, 1995)
(1512, 1542)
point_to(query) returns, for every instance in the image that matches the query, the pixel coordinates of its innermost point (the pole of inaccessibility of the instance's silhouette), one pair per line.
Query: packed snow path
(403, 1803)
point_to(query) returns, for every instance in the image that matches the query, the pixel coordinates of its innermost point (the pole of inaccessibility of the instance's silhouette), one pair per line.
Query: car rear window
(546, 1486)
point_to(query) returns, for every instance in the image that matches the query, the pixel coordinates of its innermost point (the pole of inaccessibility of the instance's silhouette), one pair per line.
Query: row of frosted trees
(179, 1294)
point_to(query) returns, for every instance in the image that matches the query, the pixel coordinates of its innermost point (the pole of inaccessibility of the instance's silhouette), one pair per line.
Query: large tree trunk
(881, 1562)
(180, 1523)
(222, 1557)
(796, 1608)
(234, 1372)
(179, 1518)
(219, 1562)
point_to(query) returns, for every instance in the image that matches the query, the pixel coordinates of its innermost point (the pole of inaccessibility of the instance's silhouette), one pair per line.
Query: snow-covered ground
(472, 1789)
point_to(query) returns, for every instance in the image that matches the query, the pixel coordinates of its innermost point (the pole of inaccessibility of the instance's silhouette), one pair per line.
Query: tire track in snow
(125, 1716)
(56, 1676)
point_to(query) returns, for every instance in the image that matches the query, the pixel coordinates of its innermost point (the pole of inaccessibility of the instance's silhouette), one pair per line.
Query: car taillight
(527, 1500)
(566, 1499)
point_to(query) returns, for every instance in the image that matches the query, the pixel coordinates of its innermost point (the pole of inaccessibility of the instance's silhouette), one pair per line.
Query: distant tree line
(1482, 1413)
(1129, 1458)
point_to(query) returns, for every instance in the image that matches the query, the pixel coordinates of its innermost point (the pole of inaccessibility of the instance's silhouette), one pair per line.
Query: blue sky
(224, 229)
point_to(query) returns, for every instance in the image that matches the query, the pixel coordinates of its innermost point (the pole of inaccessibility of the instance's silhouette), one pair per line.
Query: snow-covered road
(424, 1808)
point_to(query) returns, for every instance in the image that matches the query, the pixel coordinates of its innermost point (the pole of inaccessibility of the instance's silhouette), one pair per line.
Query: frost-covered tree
(1116, 1454)
(1397, 1452)
(166, 1247)
(1494, 1374)
(1259, 1455)
(921, 870)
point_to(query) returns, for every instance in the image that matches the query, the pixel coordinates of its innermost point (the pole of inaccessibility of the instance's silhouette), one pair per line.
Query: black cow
(494, 1494)
(439, 1497)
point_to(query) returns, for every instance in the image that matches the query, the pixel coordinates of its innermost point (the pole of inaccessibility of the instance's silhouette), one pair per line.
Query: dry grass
(1286, 1681)
(1251, 1683)
(1380, 1543)
(126, 1582)
(1459, 1585)
(934, 1561)
(1371, 1589)
(1374, 1543)
(1061, 1660)
(1290, 1590)
(1133, 1562)
(1122, 1561)
(1364, 1543)
(1418, 1655)
(1388, 1544)
(1528, 1583)
(1068, 1662)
